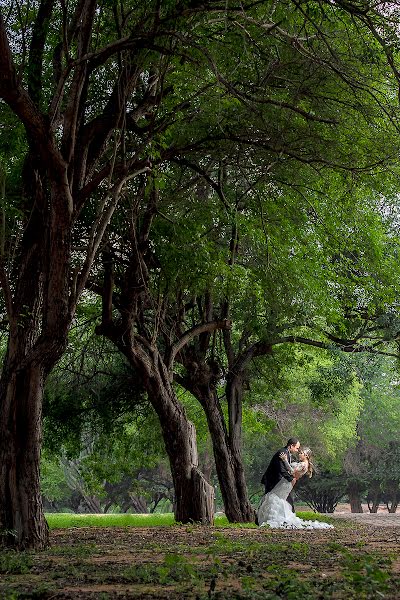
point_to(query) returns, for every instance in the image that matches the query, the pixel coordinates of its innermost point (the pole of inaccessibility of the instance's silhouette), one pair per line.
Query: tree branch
(292, 339)
(39, 34)
(99, 226)
(190, 334)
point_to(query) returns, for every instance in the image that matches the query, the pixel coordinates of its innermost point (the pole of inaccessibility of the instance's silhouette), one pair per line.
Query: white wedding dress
(276, 512)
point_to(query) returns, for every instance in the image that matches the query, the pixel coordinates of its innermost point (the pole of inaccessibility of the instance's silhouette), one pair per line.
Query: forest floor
(355, 560)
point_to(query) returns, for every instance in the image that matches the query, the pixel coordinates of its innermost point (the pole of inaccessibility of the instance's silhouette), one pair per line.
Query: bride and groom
(276, 508)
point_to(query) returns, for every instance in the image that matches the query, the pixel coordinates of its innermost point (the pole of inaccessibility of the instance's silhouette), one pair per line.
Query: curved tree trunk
(40, 285)
(92, 504)
(194, 496)
(228, 466)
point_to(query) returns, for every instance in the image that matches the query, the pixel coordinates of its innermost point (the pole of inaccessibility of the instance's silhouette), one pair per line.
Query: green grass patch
(174, 568)
(222, 521)
(64, 520)
(223, 544)
(312, 516)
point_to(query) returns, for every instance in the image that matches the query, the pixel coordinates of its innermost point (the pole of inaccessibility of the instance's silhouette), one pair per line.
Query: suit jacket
(276, 470)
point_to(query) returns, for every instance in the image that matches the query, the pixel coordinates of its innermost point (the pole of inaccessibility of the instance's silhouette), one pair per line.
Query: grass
(64, 520)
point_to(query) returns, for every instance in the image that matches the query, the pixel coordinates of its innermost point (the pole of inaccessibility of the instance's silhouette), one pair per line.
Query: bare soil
(355, 560)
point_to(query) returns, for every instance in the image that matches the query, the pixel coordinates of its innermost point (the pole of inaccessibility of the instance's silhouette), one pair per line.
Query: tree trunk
(92, 504)
(353, 492)
(22, 521)
(234, 395)
(373, 506)
(374, 497)
(200, 382)
(138, 504)
(392, 501)
(207, 465)
(194, 496)
(229, 466)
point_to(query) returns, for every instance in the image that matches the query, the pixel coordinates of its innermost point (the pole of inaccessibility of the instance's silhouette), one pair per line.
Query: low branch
(190, 334)
(104, 216)
(197, 169)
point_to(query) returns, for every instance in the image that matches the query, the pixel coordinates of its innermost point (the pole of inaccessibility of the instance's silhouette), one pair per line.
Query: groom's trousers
(291, 501)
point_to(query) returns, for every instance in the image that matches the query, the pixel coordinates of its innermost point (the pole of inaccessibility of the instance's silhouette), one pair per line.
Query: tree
(87, 132)
(322, 494)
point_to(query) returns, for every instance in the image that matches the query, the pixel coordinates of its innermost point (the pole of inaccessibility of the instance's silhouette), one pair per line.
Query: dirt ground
(380, 519)
(345, 508)
(355, 560)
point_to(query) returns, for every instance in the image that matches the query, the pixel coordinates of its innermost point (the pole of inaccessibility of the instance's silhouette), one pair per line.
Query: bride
(275, 511)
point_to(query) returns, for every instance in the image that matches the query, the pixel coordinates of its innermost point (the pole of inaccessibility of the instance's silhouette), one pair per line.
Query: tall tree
(84, 81)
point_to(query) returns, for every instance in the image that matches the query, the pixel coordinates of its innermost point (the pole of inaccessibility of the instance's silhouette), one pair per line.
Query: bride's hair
(307, 452)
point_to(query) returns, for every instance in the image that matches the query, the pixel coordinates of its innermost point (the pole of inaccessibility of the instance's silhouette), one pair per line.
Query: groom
(276, 469)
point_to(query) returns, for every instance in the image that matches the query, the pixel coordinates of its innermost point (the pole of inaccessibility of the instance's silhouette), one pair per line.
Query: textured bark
(228, 465)
(202, 376)
(194, 496)
(353, 492)
(234, 394)
(42, 298)
(22, 521)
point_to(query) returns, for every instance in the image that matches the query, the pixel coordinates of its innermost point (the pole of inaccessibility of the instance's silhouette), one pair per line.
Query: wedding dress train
(276, 511)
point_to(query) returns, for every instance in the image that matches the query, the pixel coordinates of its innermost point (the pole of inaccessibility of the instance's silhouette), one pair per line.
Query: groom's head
(293, 444)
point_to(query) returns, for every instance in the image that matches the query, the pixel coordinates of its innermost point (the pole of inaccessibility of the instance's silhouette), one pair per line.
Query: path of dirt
(375, 519)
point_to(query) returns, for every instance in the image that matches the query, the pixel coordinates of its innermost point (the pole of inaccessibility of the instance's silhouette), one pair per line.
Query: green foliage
(312, 394)
(77, 396)
(367, 574)
(322, 493)
(15, 562)
(52, 478)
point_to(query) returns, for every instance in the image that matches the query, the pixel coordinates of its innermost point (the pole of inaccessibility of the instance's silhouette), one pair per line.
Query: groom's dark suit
(275, 471)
